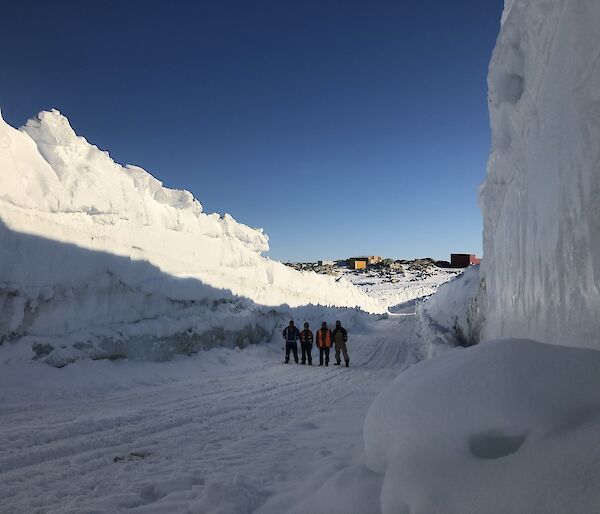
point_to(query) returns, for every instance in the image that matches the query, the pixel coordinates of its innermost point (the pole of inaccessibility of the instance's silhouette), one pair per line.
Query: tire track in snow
(104, 431)
(195, 426)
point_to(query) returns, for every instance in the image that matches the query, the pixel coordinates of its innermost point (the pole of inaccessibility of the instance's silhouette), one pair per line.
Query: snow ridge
(79, 228)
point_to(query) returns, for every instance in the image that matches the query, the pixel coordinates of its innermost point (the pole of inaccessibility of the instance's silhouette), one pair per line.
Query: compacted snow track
(224, 431)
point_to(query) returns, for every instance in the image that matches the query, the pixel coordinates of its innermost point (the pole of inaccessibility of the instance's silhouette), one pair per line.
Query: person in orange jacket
(306, 342)
(324, 343)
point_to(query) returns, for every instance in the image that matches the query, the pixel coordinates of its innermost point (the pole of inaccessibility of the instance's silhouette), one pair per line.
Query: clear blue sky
(340, 127)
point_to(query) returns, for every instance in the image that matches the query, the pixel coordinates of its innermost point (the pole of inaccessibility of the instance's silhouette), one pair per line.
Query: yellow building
(358, 262)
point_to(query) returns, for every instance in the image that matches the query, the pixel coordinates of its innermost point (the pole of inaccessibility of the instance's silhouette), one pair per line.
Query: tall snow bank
(91, 249)
(540, 198)
(504, 427)
(55, 184)
(453, 315)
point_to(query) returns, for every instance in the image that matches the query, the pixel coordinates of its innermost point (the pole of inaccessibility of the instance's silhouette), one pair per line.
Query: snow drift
(540, 200)
(502, 427)
(93, 251)
(453, 315)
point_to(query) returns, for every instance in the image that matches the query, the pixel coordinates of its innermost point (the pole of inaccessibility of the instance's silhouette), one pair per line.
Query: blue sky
(340, 127)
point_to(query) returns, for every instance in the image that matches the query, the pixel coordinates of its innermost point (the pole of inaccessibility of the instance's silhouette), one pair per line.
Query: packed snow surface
(222, 432)
(103, 260)
(540, 199)
(503, 427)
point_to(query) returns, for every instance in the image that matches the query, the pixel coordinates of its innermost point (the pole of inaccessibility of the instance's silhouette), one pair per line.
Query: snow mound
(453, 315)
(505, 426)
(91, 250)
(540, 199)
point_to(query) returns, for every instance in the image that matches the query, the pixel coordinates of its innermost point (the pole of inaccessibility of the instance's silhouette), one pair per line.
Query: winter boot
(347, 364)
(337, 363)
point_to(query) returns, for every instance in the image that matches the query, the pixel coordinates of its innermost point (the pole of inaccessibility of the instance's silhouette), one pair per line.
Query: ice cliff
(540, 199)
(91, 250)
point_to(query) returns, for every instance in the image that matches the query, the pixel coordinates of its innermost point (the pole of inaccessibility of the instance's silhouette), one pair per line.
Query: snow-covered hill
(94, 253)
(395, 286)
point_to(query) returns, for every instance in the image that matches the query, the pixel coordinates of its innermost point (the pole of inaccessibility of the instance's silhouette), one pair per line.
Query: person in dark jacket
(291, 334)
(324, 343)
(306, 343)
(340, 338)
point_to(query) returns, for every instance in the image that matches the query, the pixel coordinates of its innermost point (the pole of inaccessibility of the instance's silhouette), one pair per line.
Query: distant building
(358, 262)
(363, 262)
(374, 259)
(325, 263)
(463, 260)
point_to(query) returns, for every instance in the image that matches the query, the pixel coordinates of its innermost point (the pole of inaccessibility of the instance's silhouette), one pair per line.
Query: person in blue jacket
(291, 335)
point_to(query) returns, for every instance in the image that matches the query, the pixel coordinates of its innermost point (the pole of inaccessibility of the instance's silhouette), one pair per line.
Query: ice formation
(94, 250)
(540, 199)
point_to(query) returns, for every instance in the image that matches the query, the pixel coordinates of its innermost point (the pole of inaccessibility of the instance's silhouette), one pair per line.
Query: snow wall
(453, 315)
(101, 259)
(540, 200)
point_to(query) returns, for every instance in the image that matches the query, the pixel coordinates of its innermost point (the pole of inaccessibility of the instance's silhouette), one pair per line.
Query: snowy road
(225, 431)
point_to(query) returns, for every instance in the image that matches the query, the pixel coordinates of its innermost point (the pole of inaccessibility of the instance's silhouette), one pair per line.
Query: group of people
(325, 338)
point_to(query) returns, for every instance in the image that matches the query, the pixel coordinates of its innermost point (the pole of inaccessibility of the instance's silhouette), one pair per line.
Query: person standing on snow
(324, 343)
(306, 342)
(291, 334)
(340, 337)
